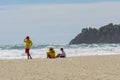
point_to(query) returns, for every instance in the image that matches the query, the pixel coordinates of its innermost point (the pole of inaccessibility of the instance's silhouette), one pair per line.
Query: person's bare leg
(58, 56)
(30, 56)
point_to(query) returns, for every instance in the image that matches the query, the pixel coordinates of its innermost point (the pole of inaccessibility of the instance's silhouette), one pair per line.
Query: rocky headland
(107, 34)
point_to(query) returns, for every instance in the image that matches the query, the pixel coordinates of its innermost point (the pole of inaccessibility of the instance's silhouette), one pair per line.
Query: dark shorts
(27, 51)
(62, 56)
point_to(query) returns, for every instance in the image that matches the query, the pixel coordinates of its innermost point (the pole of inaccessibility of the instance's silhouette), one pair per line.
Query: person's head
(61, 49)
(27, 37)
(51, 49)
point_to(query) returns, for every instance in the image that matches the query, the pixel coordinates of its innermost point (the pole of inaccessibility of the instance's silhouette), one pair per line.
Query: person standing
(28, 43)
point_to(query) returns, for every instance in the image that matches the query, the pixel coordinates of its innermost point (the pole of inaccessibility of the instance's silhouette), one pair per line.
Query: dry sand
(74, 68)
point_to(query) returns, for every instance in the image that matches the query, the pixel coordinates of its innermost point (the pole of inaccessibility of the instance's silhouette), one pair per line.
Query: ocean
(8, 52)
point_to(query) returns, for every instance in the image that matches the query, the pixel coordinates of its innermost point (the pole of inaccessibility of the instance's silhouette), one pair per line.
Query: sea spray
(39, 51)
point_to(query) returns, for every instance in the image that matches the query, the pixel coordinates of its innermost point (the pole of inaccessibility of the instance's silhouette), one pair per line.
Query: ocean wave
(39, 51)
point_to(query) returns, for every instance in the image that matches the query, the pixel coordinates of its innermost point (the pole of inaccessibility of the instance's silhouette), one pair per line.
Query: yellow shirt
(28, 43)
(51, 53)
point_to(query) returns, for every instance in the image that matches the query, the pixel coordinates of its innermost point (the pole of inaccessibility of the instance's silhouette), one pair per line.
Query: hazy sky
(53, 21)
(50, 1)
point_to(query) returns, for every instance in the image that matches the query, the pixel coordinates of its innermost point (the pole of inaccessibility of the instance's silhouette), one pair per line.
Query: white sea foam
(71, 50)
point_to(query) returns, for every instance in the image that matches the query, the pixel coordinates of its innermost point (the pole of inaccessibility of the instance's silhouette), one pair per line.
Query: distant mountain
(107, 34)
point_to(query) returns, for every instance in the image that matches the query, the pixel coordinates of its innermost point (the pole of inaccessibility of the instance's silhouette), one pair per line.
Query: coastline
(103, 67)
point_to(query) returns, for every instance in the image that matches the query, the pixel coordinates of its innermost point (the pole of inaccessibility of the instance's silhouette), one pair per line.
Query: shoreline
(100, 67)
(61, 58)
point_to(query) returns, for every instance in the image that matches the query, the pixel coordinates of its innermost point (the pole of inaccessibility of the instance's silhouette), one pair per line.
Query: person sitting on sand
(51, 53)
(62, 54)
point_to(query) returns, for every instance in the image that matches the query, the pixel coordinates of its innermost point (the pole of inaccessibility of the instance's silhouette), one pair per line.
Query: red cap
(27, 37)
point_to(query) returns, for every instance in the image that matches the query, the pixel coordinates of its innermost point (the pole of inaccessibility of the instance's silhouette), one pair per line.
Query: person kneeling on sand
(51, 53)
(62, 54)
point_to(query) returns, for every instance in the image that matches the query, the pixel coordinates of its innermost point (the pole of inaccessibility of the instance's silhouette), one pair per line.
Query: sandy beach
(73, 68)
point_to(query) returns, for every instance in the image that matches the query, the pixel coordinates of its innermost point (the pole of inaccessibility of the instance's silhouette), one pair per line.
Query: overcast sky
(51, 21)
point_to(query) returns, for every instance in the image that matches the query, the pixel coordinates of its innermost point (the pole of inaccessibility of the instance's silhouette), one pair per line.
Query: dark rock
(106, 34)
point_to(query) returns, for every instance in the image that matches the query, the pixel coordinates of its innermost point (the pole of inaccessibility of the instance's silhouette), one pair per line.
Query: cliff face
(106, 34)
